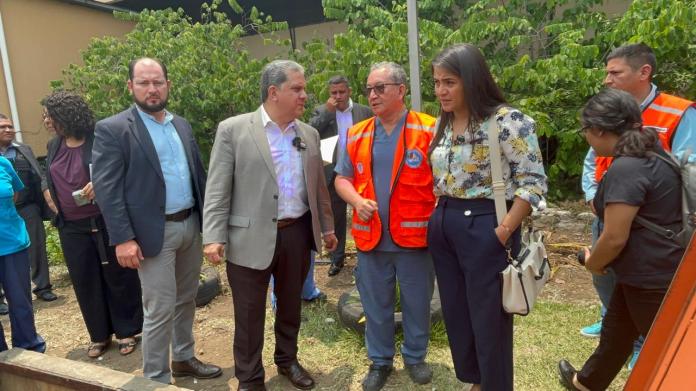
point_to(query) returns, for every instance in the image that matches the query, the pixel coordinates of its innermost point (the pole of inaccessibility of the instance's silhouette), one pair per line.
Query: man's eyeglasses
(379, 88)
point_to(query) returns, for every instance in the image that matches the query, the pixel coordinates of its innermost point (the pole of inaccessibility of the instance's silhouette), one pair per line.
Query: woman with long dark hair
(466, 242)
(108, 294)
(637, 184)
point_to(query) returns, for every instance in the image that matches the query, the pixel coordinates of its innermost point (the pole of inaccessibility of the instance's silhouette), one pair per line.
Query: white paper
(327, 149)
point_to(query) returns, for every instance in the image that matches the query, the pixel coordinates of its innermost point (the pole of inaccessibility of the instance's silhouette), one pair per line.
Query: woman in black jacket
(638, 183)
(108, 294)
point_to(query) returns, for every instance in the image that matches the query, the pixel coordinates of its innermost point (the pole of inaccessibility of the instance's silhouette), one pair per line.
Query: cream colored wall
(43, 37)
(302, 34)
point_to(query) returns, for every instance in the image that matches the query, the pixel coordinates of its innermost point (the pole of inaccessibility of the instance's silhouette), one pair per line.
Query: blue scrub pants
(468, 258)
(375, 276)
(14, 276)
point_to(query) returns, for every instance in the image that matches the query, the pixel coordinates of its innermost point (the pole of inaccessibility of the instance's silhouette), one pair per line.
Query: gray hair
(396, 72)
(275, 73)
(338, 79)
(3, 116)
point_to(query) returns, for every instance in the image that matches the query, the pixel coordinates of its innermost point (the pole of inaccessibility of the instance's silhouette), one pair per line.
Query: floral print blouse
(461, 165)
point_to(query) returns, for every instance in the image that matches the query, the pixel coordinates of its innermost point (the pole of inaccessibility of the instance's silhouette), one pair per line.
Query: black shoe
(567, 373)
(252, 387)
(4, 309)
(46, 295)
(335, 268)
(320, 298)
(376, 377)
(298, 376)
(420, 373)
(194, 367)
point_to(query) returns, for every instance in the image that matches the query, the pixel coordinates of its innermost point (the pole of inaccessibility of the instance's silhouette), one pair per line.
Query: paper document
(327, 149)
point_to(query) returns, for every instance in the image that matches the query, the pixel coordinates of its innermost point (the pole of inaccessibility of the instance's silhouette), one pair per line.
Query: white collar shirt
(287, 161)
(344, 120)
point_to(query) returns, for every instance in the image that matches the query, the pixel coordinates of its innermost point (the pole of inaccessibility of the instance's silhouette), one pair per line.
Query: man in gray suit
(266, 208)
(149, 183)
(333, 118)
(31, 206)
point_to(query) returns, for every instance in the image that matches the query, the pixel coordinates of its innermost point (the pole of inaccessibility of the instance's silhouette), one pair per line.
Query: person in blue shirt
(14, 265)
(630, 68)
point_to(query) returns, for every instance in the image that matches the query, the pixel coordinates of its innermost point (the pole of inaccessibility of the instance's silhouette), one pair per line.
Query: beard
(152, 108)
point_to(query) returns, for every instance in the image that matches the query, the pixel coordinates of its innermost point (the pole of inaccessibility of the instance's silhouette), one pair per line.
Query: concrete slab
(26, 370)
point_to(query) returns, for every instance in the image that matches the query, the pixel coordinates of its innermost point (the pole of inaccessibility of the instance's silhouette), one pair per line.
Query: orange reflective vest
(411, 198)
(664, 114)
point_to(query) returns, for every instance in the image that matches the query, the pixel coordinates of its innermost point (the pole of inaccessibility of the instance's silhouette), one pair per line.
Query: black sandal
(126, 346)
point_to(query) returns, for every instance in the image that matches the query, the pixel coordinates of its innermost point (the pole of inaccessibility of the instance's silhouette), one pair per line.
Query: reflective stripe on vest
(663, 113)
(411, 196)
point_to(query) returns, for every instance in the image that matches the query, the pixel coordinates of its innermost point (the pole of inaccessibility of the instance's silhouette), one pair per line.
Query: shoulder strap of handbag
(496, 168)
(658, 229)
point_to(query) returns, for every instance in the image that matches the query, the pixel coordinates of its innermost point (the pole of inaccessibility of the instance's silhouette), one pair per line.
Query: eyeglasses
(379, 88)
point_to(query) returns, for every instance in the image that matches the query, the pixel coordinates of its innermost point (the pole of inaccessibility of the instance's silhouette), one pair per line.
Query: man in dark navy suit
(149, 182)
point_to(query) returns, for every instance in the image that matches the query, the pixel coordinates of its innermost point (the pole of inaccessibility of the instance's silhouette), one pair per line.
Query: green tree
(547, 56)
(213, 76)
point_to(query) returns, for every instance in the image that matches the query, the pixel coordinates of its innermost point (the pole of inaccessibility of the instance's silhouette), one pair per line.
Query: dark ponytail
(616, 111)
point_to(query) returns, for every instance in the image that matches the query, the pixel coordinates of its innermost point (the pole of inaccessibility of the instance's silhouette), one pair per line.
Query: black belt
(179, 216)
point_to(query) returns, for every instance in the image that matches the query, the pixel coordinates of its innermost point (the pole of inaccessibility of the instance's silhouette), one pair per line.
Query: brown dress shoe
(194, 367)
(297, 375)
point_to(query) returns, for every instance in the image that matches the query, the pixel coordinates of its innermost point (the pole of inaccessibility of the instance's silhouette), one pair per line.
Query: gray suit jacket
(324, 122)
(241, 200)
(128, 180)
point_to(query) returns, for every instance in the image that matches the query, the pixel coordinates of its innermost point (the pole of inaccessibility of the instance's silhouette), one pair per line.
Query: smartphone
(80, 200)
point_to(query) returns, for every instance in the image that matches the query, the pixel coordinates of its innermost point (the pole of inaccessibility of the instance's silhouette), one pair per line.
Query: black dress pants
(630, 314)
(289, 268)
(108, 294)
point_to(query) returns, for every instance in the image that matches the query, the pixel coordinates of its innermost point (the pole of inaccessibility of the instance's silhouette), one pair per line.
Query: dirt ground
(60, 322)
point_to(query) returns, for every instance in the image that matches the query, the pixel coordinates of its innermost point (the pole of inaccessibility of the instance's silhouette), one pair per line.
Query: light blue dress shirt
(173, 161)
(684, 139)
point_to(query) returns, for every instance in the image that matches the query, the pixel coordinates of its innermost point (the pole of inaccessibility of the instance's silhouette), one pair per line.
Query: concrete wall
(324, 31)
(43, 37)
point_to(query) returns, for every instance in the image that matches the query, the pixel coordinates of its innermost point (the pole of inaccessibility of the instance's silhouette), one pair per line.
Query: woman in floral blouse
(466, 242)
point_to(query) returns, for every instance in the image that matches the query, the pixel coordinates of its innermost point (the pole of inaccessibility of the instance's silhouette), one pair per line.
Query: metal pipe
(413, 54)
(8, 81)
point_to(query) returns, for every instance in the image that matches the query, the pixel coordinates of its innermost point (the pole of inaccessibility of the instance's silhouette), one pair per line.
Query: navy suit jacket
(128, 180)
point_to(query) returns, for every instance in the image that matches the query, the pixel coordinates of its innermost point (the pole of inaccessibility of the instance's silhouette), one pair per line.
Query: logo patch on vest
(360, 167)
(414, 158)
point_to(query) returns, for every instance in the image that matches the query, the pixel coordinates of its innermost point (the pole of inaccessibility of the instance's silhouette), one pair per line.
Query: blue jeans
(309, 288)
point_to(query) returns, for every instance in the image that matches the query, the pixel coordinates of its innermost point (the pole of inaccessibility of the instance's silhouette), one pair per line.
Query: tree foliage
(546, 55)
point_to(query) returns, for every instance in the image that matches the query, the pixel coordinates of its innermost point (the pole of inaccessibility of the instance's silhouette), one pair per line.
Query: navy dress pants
(14, 275)
(468, 258)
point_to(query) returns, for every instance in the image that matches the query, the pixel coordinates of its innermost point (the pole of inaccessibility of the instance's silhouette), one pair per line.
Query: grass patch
(550, 333)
